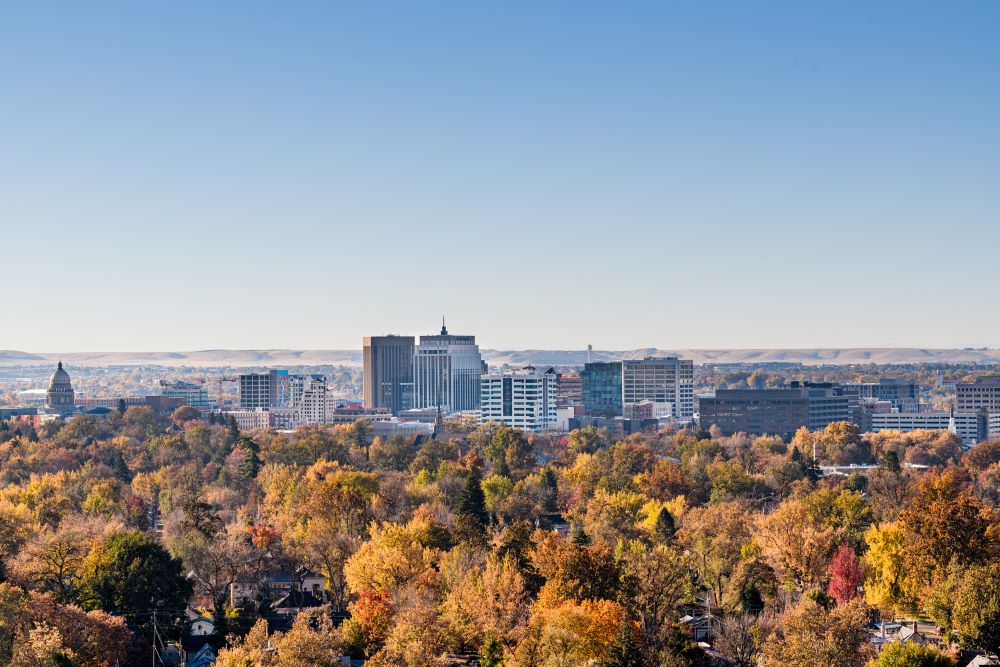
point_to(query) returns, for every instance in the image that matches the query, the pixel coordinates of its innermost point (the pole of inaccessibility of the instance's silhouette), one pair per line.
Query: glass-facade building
(602, 388)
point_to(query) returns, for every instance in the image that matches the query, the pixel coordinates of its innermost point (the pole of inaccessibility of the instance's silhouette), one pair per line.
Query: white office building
(524, 399)
(660, 380)
(965, 425)
(446, 372)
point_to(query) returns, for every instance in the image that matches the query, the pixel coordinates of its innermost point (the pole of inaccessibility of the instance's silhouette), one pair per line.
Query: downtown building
(660, 380)
(602, 388)
(446, 372)
(778, 411)
(388, 373)
(524, 399)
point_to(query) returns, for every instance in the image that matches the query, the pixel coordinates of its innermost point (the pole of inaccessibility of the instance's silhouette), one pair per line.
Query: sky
(201, 175)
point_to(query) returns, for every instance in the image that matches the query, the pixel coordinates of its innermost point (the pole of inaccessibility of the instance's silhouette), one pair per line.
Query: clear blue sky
(191, 175)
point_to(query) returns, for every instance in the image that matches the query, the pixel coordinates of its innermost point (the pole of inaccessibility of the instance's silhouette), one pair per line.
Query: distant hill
(279, 358)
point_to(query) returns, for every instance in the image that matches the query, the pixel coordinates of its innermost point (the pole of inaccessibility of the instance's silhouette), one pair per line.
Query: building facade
(602, 388)
(901, 396)
(523, 399)
(777, 411)
(660, 380)
(259, 390)
(983, 395)
(388, 372)
(446, 371)
(968, 426)
(193, 394)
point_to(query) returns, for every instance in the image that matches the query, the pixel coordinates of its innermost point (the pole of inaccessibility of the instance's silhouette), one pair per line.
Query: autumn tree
(810, 636)
(846, 575)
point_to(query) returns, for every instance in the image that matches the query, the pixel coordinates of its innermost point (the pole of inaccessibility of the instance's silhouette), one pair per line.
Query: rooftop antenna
(444, 329)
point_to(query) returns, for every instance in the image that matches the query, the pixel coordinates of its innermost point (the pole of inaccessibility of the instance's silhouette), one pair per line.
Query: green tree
(911, 655)
(132, 575)
(491, 654)
(624, 652)
(471, 506)
(665, 528)
(976, 615)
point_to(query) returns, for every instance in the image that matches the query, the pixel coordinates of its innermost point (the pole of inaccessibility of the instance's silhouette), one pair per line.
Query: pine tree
(491, 655)
(550, 488)
(624, 652)
(121, 406)
(580, 536)
(665, 526)
(471, 507)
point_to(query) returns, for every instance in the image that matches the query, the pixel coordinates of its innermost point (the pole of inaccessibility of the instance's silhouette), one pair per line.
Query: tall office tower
(446, 372)
(661, 380)
(602, 388)
(524, 399)
(260, 390)
(388, 372)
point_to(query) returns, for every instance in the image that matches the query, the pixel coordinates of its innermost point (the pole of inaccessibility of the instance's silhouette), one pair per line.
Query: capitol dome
(60, 393)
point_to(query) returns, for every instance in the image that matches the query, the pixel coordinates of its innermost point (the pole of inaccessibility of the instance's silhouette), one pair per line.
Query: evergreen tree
(624, 652)
(890, 461)
(550, 488)
(580, 536)
(471, 507)
(491, 655)
(665, 526)
(121, 406)
(234, 430)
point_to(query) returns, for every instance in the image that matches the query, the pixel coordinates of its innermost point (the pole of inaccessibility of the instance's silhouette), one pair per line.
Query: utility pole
(154, 638)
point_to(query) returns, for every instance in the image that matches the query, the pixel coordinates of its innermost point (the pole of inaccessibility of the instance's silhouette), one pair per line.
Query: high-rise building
(602, 388)
(446, 370)
(777, 411)
(260, 390)
(660, 380)
(60, 396)
(524, 399)
(309, 397)
(388, 373)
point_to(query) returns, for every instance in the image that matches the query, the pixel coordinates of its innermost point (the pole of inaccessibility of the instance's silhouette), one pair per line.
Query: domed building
(59, 396)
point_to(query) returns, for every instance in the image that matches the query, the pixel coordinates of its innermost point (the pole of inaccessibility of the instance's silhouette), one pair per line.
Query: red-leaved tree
(846, 574)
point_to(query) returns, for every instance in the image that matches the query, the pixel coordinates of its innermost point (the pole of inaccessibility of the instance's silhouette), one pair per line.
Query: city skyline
(751, 176)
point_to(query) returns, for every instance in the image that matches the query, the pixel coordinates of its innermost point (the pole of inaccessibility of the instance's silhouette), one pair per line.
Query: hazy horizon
(249, 176)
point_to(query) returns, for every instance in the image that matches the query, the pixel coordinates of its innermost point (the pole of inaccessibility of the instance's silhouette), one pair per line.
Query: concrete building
(966, 425)
(660, 380)
(777, 411)
(259, 390)
(310, 398)
(983, 395)
(523, 399)
(193, 394)
(902, 396)
(446, 372)
(388, 372)
(569, 390)
(648, 410)
(602, 388)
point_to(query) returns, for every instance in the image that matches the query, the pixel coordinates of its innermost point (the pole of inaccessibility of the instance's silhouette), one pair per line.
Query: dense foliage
(520, 549)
